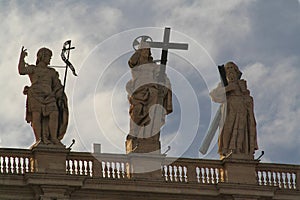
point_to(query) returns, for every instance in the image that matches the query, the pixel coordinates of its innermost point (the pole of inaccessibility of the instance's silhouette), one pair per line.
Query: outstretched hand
(23, 53)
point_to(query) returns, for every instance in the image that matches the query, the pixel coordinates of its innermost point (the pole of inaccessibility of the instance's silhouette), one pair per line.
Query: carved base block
(49, 159)
(240, 171)
(143, 145)
(145, 166)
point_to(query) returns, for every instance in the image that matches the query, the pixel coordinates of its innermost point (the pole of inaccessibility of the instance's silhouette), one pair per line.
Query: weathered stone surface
(237, 126)
(150, 99)
(49, 159)
(46, 105)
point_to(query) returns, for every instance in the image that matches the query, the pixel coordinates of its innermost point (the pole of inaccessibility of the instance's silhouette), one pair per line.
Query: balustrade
(182, 170)
(192, 170)
(14, 161)
(279, 175)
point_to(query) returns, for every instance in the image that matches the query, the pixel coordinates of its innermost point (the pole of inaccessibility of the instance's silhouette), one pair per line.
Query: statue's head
(144, 45)
(145, 51)
(232, 71)
(44, 55)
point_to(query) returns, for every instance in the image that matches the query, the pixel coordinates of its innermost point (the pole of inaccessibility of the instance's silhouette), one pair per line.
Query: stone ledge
(54, 179)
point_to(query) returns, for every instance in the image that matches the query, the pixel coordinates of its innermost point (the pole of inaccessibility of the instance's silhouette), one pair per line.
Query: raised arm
(21, 67)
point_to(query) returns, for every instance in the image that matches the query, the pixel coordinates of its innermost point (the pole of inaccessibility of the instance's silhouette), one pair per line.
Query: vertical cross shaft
(165, 46)
(164, 53)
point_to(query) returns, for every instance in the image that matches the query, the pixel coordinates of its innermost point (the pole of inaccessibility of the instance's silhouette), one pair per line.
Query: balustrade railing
(181, 170)
(193, 170)
(14, 161)
(112, 166)
(280, 175)
(79, 164)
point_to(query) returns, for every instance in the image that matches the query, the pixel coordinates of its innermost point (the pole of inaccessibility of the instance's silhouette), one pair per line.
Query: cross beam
(165, 46)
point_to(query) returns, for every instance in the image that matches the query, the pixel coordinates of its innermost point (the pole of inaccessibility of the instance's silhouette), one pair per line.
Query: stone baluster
(124, 172)
(67, 167)
(78, 167)
(209, 175)
(24, 165)
(14, 164)
(179, 173)
(118, 168)
(173, 172)
(9, 165)
(163, 171)
(104, 167)
(200, 175)
(84, 167)
(297, 182)
(20, 165)
(88, 168)
(1, 164)
(107, 173)
(205, 178)
(174, 168)
(285, 180)
(111, 170)
(272, 180)
(73, 167)
(184, 174)
(275, 178)
(169, 174)
(214, 175)
(279, 179)
(289, 181)
(27, 165)
(115, 171)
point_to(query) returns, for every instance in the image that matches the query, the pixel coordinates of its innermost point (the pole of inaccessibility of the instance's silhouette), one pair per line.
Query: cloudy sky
(262, 37)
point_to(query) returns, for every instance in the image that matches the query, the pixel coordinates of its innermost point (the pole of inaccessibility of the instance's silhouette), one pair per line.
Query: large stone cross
(152, 144)
(166, 45)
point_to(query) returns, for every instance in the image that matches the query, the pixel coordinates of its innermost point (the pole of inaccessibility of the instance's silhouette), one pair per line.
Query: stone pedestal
(145, 166)
(49, 159)
(239, 169)
(143, 145)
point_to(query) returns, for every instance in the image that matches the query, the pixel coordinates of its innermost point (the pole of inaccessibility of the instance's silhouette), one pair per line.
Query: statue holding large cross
(149, 94)
(235, 117)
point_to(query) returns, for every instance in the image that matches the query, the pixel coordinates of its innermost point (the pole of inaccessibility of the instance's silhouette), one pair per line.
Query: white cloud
(276, 93)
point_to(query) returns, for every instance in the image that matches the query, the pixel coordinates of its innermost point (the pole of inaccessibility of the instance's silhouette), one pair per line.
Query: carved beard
(231, 76)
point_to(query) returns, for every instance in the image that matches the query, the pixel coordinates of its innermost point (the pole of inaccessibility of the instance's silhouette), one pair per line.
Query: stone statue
(237, 125)
(147, 117)
(46, 104)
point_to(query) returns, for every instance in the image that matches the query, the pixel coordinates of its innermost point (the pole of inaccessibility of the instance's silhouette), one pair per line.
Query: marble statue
(46, 104)
(237, 125)
(146, 113)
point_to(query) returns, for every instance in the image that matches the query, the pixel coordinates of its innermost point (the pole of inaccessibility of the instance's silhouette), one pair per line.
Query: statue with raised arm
(237, 125)
(46, 104)
(146, 115)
